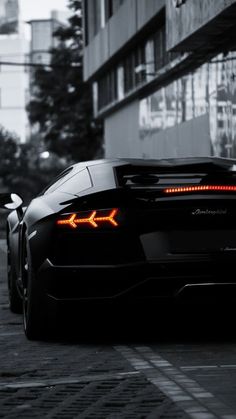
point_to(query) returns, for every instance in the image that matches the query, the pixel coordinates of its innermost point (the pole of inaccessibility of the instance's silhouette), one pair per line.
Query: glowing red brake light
(92, 220)
(200, 188)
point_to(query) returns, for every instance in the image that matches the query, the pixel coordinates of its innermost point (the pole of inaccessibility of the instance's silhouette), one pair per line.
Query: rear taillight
(200, 188)
(91, 219)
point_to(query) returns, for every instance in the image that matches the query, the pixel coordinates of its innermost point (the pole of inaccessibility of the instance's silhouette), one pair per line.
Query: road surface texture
(167, 370)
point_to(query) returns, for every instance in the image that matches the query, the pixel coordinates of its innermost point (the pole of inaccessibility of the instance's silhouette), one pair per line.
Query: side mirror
(11, 201)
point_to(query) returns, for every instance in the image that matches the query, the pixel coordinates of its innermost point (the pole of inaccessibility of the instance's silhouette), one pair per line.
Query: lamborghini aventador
(123, 230)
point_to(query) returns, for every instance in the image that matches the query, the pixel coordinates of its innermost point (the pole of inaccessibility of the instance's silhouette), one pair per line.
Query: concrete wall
(146, 9)
(189, 139)
(122, 132)
(122, 139)
(122, 26)
(192, 16)
(96, 53)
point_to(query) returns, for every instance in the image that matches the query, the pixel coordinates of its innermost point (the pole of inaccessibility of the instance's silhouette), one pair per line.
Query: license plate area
(202, 241)
(162, 244)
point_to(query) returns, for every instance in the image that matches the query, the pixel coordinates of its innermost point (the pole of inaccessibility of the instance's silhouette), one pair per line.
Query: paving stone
(69, 379)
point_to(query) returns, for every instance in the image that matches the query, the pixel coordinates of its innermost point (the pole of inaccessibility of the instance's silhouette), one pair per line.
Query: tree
(31, 172)
(8, 151)
(23, 170)
(62, 102)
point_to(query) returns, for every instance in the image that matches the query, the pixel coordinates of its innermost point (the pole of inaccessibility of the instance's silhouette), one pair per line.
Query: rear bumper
(189, 278)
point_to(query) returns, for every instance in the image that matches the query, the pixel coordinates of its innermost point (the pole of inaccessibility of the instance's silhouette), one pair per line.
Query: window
(140, 76)
(113, 85)
(57, 181)
(129, 72)
(77, 183)
(107, 89)
(138, 66)
(108, 9)
(161, 56)
(149, 59)
(159, 48)
(120, 82)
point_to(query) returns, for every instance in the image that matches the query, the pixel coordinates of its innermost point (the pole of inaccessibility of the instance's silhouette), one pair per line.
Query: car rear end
(167, 232)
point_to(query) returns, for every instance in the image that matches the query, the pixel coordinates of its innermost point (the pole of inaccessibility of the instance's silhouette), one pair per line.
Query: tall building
(164, 75)
(15, 49)
(14, 86)
(14, 78)
(42, 39)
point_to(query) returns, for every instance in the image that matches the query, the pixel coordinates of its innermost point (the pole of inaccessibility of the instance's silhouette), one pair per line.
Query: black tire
(35, 309)
(14, 299)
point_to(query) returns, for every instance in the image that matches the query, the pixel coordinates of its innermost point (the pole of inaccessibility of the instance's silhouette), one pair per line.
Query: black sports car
(123, 230)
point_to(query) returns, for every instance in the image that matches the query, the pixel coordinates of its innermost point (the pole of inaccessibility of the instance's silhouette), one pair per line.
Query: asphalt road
(166, 366)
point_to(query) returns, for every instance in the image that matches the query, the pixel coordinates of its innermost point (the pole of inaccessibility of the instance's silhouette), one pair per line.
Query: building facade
(14, 76)
(15, 51)
(163, 75)
(42, 36)
(14, 85)
(42, 42)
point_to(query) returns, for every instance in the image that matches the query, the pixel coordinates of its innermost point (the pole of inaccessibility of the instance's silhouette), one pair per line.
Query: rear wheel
(14, 299)
(35, 310)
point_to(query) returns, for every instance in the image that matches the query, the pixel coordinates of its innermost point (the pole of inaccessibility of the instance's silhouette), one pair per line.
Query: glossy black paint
(162, 248)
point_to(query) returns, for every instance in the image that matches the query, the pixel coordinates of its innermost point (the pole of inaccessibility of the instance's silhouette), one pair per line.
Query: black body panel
(173, 235)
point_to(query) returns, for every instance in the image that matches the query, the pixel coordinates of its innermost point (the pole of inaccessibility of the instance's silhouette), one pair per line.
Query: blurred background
(46, 115)
(85, 79)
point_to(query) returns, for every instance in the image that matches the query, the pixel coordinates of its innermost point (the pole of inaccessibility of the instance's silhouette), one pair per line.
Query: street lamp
(44, 155)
